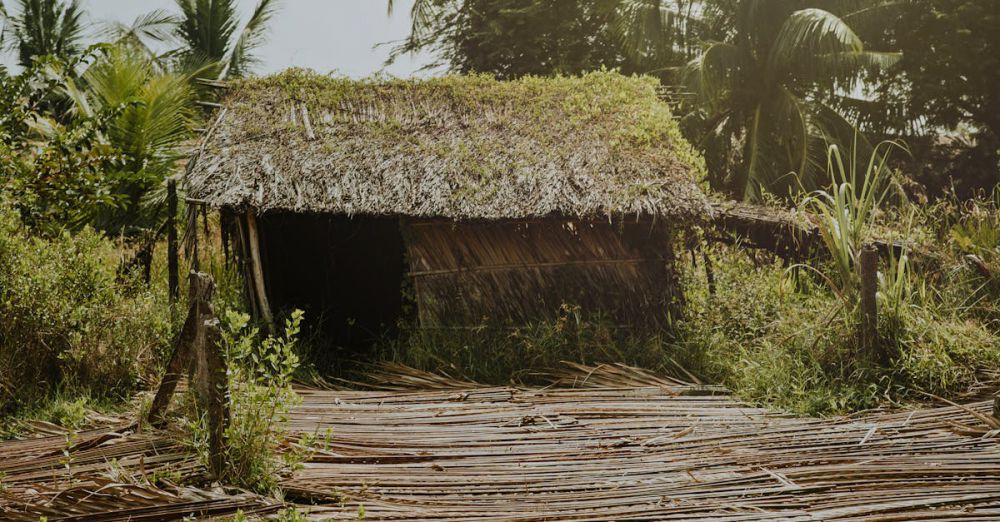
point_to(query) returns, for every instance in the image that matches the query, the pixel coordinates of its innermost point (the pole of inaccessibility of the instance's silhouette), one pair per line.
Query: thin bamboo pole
(258, 271)
(173, 263)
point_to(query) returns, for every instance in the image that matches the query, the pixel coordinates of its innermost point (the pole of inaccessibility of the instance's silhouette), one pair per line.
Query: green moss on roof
(453, 146)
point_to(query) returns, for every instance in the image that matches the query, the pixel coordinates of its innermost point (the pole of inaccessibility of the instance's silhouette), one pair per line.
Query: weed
(260, 373)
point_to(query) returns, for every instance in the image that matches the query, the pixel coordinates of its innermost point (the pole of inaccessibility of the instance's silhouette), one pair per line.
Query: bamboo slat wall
(518, 272)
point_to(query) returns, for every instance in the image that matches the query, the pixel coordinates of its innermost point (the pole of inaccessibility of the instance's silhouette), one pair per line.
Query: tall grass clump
(68, 322)
(492, 354)
(787, 336)
(846, 216)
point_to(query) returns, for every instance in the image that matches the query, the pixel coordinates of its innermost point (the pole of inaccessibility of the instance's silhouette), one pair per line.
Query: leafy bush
(779, 337)
(260, 393)
(58, 172)
(67, 322)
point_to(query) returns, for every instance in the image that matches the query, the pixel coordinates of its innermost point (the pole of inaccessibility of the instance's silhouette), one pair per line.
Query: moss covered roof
(463, 147)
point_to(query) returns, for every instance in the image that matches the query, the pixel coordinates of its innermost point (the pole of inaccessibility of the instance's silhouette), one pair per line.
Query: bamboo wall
(514, 273)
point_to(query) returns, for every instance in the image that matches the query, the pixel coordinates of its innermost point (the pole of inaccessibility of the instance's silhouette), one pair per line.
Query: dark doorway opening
(346, 273)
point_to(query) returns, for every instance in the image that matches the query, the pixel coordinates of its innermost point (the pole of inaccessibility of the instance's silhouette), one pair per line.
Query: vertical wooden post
(258, 271)
(211, 387)
(868, 326)
(173, 263)
(709, 272)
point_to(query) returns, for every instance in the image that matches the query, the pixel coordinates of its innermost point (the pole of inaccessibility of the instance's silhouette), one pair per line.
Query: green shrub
(260, 393)
(67, 322)
(779, 337)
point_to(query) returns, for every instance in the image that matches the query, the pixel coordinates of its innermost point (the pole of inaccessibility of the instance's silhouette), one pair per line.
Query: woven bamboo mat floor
(605, 443)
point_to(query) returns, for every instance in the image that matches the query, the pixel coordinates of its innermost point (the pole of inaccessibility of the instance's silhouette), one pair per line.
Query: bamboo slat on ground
(628, 445)
(605, 443)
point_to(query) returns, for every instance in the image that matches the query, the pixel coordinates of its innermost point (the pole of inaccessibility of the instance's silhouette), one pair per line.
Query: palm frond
(422, 17)
(241, 56)
(716, 73)
(806, 34)
(45, 27)
(206, 27)
(154, 27)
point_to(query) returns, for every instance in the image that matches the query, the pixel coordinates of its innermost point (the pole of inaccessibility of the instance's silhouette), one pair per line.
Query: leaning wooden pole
(200, 290)
(868, 326)
(257, 271)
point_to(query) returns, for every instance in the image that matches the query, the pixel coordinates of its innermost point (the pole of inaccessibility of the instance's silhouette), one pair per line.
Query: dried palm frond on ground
(623, 444)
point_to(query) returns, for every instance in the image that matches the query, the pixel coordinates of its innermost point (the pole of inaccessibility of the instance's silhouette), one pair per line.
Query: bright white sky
(324, 35)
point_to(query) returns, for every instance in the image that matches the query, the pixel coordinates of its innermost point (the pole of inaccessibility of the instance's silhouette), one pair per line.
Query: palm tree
(660, 34)
(43, 27)
(154, 117)
(210, 33)
(765, 93)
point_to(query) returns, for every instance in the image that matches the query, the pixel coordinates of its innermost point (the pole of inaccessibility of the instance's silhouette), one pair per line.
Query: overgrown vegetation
(523, 354)
(787, 336)
(69, 322)
(260, 371)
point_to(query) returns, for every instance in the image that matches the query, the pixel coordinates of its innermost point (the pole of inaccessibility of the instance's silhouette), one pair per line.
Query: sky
(325, 35)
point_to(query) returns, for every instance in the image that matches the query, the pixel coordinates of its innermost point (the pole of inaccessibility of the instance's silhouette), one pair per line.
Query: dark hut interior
(346, 273)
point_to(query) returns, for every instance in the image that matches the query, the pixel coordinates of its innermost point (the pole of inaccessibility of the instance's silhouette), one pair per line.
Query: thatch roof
(464, 147)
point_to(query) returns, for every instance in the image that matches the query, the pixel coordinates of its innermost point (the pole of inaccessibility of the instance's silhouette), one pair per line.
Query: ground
(599, 443)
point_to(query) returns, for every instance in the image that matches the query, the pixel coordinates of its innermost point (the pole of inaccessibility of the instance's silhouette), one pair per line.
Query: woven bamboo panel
(516, 273)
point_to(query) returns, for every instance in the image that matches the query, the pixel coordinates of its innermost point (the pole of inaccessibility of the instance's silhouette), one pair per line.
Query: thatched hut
(478, 201)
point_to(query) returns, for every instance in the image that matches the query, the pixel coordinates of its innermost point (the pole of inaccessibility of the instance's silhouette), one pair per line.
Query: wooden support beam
(788, 234)
(173, 261)
(257, 270)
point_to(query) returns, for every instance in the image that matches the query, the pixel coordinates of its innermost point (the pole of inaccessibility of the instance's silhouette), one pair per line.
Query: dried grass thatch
(460, 147)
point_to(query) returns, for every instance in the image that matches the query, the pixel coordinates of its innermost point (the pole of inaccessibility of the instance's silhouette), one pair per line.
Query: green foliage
(777, 337)
(68, 323)
(55, 171)
(494, 355)
(759, 111)
(154, 119)
(43, 27)
(260, 393)
(940, 77)
(515, 38)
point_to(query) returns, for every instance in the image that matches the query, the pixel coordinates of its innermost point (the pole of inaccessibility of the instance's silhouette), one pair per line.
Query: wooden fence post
(173, 263)
(868, 326)
(198, 349)
(210, 388)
